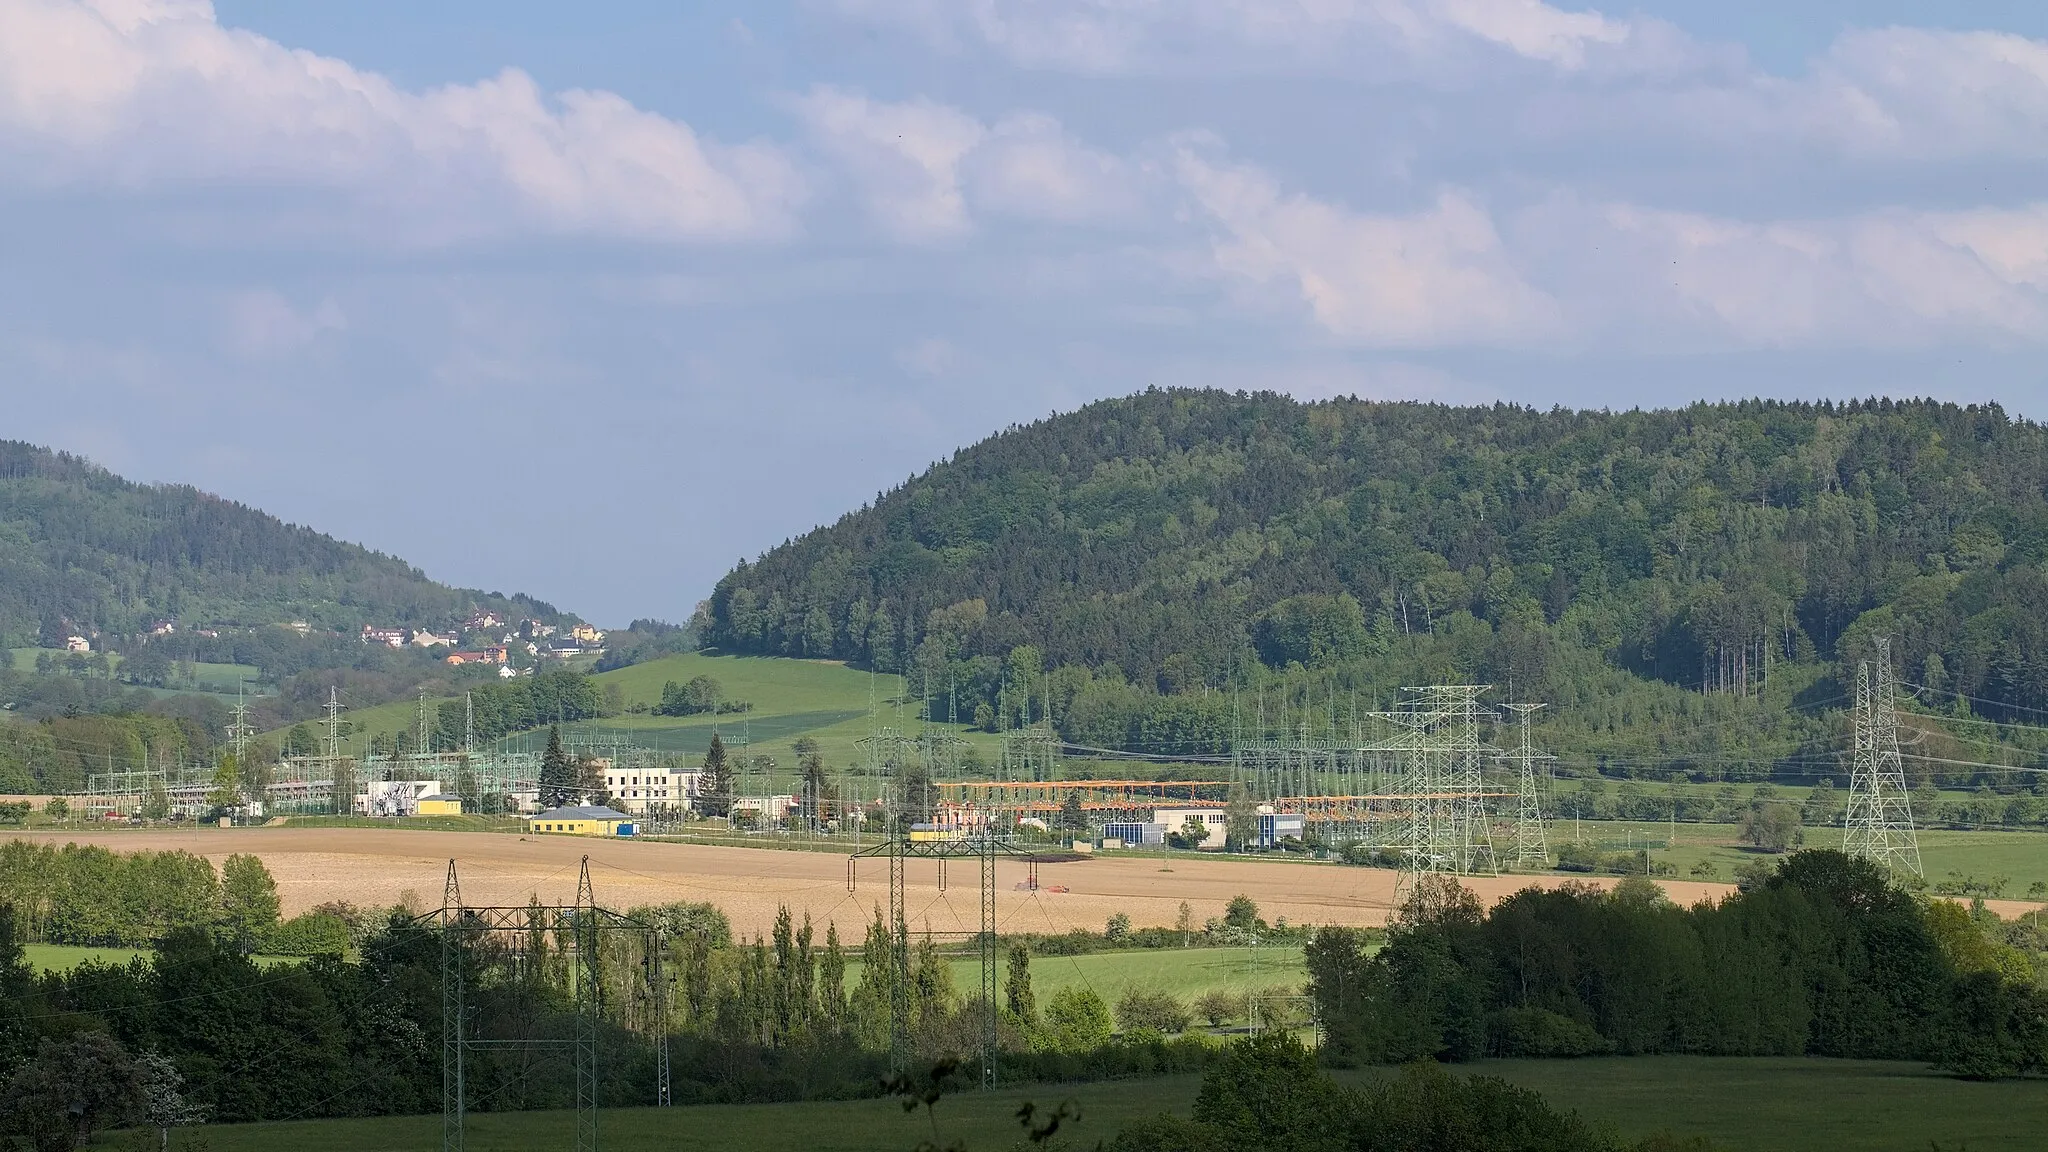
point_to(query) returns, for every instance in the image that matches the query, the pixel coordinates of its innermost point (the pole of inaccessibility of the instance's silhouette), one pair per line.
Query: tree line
(1825, 957)
(87, 895)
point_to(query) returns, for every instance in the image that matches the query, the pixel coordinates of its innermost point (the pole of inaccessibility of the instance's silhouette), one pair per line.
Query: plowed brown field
(380, 867)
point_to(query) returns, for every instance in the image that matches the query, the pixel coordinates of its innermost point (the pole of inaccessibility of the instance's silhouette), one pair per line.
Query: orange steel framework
(1121, 795)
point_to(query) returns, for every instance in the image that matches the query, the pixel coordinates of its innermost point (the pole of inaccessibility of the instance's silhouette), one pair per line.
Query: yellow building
(440, 804)
(582, 820)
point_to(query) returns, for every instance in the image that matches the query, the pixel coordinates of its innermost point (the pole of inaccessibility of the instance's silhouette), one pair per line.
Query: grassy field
(823, 699)
(64, 957)
(218, 679)
(1751, 1105)
(2021, 857)
(1182, 972)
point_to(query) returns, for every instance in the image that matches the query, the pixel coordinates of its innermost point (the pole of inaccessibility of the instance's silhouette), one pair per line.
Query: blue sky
(592, 300)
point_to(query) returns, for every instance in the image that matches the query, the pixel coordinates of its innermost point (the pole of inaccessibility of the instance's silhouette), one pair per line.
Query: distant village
(483, 638)
(515, 649)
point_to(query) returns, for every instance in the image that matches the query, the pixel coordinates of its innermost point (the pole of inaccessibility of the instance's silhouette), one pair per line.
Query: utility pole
(239, 731)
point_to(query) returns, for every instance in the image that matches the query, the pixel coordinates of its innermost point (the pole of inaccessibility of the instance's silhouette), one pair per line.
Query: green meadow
(2019, 856)
(1182, 972)
(1741, 1105)
(64, 957)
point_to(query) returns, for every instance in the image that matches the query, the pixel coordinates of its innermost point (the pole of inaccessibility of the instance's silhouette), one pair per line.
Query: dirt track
(378, 866)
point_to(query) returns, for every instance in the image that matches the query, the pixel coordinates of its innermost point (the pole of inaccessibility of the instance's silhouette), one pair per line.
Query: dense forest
(1686, 587)
(82, 550)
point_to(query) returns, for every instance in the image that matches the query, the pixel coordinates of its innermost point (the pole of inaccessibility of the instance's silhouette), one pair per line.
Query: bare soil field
(383, 867)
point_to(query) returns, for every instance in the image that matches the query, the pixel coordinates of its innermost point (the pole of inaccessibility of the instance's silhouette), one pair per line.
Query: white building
(1215, 819)
(395, 797)
(766, 811)
(638, 790)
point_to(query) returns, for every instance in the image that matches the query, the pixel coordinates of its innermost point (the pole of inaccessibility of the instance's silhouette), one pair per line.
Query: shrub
(1218, 1007)
(1577, 857)
(1159, 1011)
(1118, 930)
(309, 934)
(1077, 1019)
(1539, 1032)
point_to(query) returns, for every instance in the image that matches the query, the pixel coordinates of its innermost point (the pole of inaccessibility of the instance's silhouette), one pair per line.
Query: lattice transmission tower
(1532, 847)
(1879, 822)
(1441, 782)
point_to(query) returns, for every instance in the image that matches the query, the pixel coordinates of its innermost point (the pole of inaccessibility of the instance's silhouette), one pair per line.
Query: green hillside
(1690, 589)
(84, 550)
(788, 699)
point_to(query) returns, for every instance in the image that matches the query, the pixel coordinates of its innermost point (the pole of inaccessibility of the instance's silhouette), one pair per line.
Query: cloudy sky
(592, 300)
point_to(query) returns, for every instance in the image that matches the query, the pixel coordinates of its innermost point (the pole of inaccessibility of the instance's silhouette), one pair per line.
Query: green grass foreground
(1741, 1104)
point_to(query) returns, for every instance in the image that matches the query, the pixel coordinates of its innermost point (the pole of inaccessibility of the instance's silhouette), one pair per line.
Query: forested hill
(82, 550)
(1191, 539)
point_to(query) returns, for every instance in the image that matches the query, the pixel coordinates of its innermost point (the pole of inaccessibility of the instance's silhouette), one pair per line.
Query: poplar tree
(832, 979)
(1023, 1004)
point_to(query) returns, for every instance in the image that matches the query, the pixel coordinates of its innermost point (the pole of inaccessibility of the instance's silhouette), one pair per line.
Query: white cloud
(149, 93)
(262, 324)
(932, 356)
(1892, 278)
(1926, 94)
(1029, 166)
(1567, 273)
(1428, 278)
(1132, 36)
(904, 158)
(924, 170)
(1532, 29)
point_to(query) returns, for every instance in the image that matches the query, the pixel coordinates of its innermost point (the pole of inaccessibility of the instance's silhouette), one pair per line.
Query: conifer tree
(714, 788)
(558, 779)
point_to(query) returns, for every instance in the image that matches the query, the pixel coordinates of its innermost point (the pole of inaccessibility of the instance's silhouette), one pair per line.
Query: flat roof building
(582, 820)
